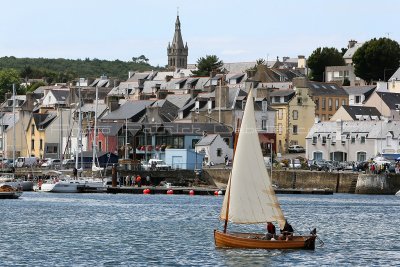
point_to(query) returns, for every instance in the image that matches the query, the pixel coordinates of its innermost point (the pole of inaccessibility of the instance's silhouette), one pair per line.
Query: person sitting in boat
(287, 232)
(271, 231)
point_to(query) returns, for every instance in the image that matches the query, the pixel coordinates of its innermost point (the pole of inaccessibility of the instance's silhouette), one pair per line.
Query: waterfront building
(352, 140)
(214, 149)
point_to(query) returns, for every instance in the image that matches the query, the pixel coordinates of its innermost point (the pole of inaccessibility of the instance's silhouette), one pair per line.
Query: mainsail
(249, 192)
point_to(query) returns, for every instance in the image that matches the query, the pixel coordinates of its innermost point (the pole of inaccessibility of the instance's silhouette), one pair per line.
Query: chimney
(301, 62)
(299, 82)
(112, 103)
(221, 95)
(339, 130)
(352, 43)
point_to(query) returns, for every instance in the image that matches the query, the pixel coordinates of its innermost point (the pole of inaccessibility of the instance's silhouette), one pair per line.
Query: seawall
(374, 184)
(339, 182)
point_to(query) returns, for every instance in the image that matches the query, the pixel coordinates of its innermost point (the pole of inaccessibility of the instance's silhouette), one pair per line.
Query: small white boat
(8, 178)
(60, 183)
(398, 193)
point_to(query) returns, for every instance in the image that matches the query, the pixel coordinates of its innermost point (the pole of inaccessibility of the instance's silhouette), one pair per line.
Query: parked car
(26, 162)
(296, 149)
(155, 164)
(51, 163)
(333, 166)
(6, 163)
(318, 165)
(295, 164)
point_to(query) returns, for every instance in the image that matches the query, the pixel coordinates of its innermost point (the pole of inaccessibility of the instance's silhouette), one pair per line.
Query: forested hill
(62, 70)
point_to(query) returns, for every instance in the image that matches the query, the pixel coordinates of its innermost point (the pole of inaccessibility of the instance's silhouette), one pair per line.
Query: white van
(25, 162)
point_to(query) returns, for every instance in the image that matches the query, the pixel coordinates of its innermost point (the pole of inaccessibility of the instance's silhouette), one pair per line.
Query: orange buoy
(170, 192)
(191, 192)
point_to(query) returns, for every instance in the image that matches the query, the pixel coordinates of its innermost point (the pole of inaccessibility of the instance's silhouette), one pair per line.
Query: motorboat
(8, 179)
(9, 192)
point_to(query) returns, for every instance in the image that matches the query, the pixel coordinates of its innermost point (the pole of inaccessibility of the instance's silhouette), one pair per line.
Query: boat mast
(94, 141)
(14, 137)
(79, 148)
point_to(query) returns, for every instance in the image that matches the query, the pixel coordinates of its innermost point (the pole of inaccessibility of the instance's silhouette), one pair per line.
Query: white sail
(249, 192)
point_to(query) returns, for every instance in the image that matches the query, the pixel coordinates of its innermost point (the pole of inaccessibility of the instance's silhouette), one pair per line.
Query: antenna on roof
(177, 11)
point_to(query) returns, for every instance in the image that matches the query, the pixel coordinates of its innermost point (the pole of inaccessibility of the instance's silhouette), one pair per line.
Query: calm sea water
(169, 230)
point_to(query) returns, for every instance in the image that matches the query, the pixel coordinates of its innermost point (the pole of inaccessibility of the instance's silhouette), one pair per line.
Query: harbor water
(42, 229)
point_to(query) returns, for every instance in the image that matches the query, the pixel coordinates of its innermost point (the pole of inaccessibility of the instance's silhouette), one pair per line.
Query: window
(294, 129)
(361, 156)
(353, 139)
(323, 140)
(41, 144)
(317, 103)
(32, 144)
(280, 114)
(323, 103)
(299, 101)
(219, 152)
(33, 129)
(295, 114)
(279, 128)
(195, 141)
(317, 155)
(264, 124)
(358, 99)
(362, 141)
(314, 140)
(277, 99)
(99, 147)
(330, 103)
(336, 104)
(343, 102)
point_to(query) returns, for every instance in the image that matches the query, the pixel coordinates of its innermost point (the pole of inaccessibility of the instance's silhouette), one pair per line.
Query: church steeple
(177, 51)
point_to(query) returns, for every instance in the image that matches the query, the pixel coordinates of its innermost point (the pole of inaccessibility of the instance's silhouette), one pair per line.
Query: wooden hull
(255, 241)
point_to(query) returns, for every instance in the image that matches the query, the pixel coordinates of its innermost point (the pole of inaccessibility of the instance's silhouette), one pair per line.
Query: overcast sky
(235, 31)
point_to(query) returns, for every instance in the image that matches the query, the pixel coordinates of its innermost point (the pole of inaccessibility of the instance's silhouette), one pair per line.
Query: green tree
(207, 64)
(321, 58)
(376, 59)
(8, 77)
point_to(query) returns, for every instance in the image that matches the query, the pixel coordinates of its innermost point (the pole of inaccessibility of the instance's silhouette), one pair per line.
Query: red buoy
(146, 191)
(191, 192)
(215, 193)
(170, 192)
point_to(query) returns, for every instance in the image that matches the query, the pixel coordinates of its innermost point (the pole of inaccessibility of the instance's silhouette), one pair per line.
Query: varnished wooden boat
(256, 241)
(250, 197)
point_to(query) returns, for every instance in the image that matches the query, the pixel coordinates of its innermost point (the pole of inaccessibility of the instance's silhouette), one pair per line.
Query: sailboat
(65, 184)
(250, 197)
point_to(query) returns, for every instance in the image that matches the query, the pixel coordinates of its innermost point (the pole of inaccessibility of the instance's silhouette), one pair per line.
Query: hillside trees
(321, 58)
(8, 77)
(377, 59)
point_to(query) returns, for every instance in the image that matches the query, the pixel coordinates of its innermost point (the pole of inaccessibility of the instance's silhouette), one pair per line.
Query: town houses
(190, 121)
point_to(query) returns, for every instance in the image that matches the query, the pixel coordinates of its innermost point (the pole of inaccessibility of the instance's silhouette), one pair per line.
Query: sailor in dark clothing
(287, 228)
(271, 232)
(287, 232)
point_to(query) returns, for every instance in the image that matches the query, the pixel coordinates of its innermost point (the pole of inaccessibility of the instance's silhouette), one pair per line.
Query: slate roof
(350, 52)
(42, 120)
(371, 129)
(7, 119)
(319, 88)
(179, 100)
(197, 128)
(390, 99)
(207, 140)
(238, 67)
(281, 93)
(355, 90)
(60, 95)
(361, 110)
(128, 110)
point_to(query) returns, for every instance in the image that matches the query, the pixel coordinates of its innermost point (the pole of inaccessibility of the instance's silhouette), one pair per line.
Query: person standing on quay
(139, 180)
(148, 180)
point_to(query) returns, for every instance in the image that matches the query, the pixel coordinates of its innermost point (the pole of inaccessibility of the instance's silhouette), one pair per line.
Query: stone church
(177, 52)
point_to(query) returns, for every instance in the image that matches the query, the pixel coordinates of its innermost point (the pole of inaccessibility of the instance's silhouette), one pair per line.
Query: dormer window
(243, 104)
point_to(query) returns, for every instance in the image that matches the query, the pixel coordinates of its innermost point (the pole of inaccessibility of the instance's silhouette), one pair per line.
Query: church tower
(177, 52)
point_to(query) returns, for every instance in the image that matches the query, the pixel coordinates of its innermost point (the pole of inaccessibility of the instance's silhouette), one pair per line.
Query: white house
(56, 98)
(214, 149)
(353, 140)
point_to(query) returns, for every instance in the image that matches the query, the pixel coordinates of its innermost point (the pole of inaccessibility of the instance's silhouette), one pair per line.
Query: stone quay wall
(382, 184)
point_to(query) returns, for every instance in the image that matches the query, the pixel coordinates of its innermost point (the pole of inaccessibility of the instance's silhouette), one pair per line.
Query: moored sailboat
(250, 197)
